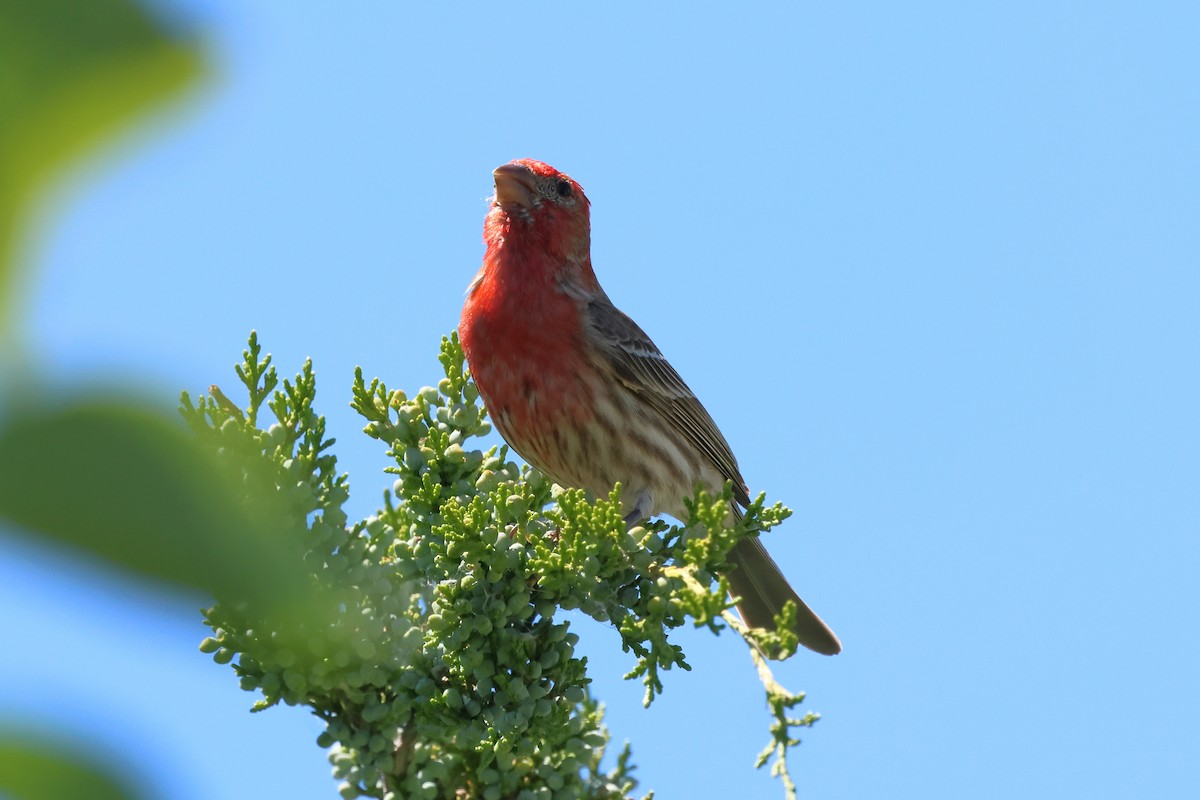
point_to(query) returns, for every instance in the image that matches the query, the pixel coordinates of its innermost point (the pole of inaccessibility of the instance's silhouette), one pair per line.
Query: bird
(580, 391)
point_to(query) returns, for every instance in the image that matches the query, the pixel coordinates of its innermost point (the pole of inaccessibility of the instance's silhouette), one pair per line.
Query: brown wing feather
(643, 369)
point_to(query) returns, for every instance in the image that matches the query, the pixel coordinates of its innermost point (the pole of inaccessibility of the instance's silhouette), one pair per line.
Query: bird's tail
(763, 590)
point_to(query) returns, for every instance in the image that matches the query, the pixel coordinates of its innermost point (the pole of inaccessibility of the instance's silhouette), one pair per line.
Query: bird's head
(541, 206)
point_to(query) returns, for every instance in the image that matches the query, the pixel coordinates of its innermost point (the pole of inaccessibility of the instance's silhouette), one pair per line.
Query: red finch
(580, 391)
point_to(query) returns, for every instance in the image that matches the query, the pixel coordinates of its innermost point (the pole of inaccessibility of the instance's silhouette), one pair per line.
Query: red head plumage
(580, 391)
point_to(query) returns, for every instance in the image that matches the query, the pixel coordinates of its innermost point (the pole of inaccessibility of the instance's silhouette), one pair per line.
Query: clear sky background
(934, 268)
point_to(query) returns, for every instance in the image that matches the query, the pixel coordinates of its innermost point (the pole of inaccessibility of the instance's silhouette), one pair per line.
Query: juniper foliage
(437, 654)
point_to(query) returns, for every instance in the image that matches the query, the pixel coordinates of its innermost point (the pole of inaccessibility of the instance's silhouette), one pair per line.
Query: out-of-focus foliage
(129, 485)
(34, 768)
(72, 72)
(107, 476)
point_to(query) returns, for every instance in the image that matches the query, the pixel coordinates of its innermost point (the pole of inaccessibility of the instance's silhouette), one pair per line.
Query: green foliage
(440, 664)
(71, 72)
(35, 768)
(427, 637)
(153, 500)
(781, 702)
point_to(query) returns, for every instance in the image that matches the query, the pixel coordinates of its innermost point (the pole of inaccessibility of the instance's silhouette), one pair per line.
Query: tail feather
(762, 590)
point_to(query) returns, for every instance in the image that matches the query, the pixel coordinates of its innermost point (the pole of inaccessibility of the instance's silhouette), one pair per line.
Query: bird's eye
(563, 188)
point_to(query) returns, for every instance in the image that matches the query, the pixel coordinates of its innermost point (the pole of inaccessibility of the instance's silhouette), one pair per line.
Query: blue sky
(932, 267)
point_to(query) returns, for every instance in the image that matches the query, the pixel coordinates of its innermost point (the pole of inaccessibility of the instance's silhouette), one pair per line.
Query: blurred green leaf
(71, 71)
(134, 487)
(33, 768)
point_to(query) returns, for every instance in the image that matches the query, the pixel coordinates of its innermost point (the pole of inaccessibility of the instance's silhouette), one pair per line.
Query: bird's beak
(515, 185)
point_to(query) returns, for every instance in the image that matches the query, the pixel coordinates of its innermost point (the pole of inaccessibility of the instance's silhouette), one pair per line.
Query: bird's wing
(642, 368)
